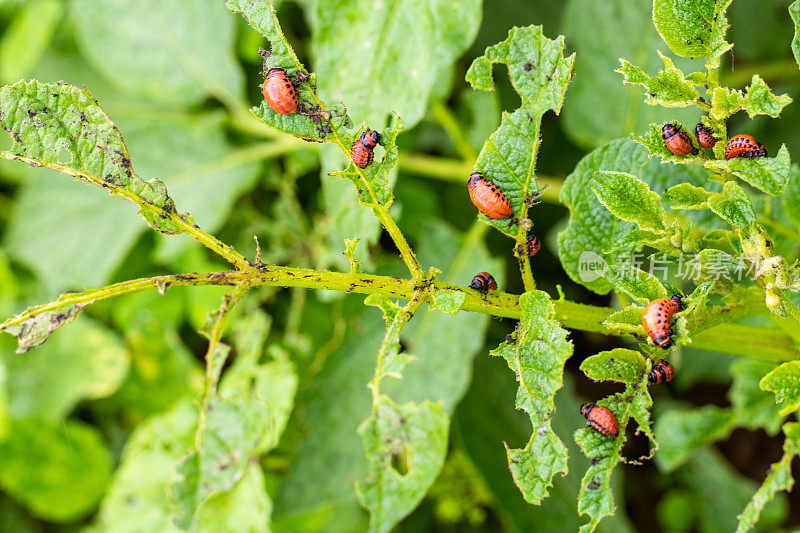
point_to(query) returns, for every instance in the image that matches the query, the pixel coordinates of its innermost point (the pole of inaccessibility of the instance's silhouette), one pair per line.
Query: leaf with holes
(372, 182)
(629, 198)
(536, 354)
(784, 382)
(77, 129)
(693, 28)
(668, 88)
(540, 74)
(757, 100)
(234, 427)
(313, 121)
(36, 330)
(778, 479)
(595, 498)
(405, 445)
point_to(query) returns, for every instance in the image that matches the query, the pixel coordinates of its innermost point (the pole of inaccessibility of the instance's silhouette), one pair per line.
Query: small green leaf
(627, 320)
(687, 196)
(784, 382)
(693, 28)
(725, 102)
(81, 142)
(668, 88)
(636, 283)
(59, 471)
(536, 354)
(629, 198)
(595, 498)
(761, 101)
(36, 330)
(732, 205)
(778, 479)
(233, 429)
(372, 183)
(638, 238)
(391, 360)
(794, 11)
(540, 74)
(448, 301)
(406, 446)
(619, 364)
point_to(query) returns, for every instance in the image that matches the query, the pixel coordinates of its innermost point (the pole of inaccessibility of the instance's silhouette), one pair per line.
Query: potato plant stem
(769, 344)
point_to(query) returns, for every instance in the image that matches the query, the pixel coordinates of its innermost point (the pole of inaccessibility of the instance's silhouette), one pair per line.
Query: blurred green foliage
(93, 423)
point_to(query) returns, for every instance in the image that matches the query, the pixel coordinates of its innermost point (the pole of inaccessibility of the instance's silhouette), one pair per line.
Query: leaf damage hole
(64, 157)
(401, 460)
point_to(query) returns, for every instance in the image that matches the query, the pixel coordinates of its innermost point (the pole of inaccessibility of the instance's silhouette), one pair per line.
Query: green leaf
(769, 174)
(448, 301)
(761, 101)
(391, 359)
(170, 52)
(234, 427)
(629, 198)
(679, 433)
(412, 41)
(83, 362)
(600, 107)
(406, 445)
(59, 471)
(27, 37)
(791, 198)
(784, 381)
(627, 320)
(372, 183)
(595, 498)
(245, 508)
(84, 143)
(636, 283)
(693, 28)
(619, 364)
(794, 11)
(687, 196)
(668, 88)
(732, 205)
(536, 354)
(540, 74)
(592, 228)
(778, 479)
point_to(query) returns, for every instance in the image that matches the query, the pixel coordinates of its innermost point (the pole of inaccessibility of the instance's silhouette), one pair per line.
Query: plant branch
(770, 344)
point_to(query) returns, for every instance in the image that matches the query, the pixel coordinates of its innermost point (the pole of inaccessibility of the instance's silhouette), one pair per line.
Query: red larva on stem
(532, 245)
(488, 198)
(656, 319)
(601, 419)
(362, 151)
(662, 372)
(483, 282)
(704, 137)
(279, 92)
(676, 141)
(744, 145)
